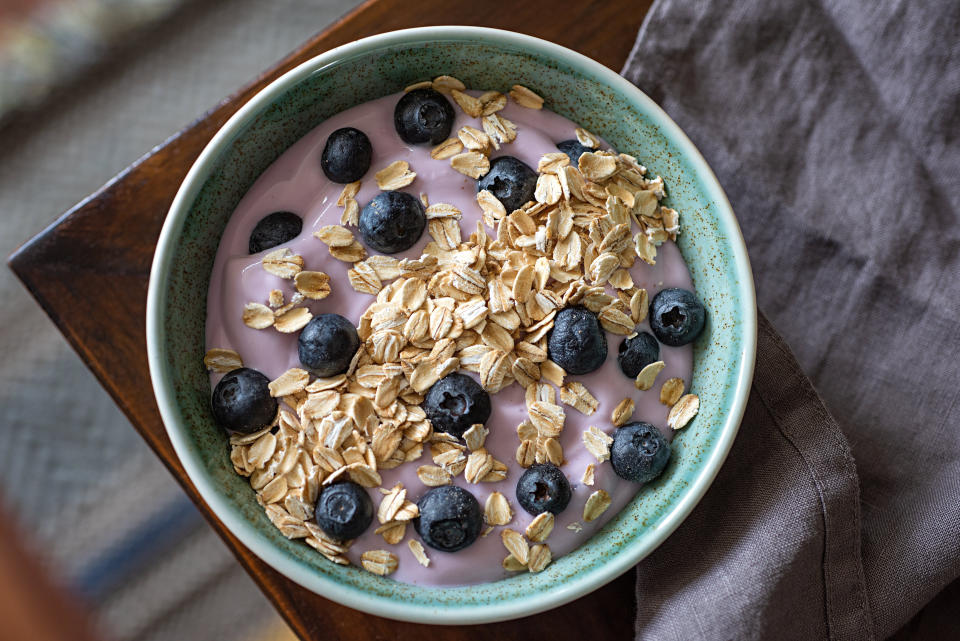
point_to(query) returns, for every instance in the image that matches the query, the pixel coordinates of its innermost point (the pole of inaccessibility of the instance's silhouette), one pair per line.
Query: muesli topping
(484, 300)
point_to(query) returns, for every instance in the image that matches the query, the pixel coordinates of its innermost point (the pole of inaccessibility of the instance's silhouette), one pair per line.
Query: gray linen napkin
(834, 129)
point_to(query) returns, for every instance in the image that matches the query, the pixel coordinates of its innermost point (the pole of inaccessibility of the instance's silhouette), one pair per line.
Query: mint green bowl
(572, 85)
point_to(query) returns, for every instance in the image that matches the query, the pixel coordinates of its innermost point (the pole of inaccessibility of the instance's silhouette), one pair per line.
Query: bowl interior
(571, 86)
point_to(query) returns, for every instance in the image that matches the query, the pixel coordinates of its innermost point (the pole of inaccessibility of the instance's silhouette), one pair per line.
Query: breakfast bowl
(571, 85)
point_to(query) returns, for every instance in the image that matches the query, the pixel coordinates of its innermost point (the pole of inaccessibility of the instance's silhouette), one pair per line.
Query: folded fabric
(773, 550)
(833, 128)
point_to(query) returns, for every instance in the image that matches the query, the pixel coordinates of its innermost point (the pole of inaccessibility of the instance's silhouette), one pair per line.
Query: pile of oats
(481, 300)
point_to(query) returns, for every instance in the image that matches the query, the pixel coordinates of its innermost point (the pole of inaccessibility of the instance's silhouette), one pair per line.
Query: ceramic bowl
(572, 85)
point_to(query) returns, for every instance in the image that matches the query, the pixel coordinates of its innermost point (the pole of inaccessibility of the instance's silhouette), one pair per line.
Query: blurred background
(86, 87)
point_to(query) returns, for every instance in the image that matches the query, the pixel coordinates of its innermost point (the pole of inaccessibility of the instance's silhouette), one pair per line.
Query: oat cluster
(481, 300)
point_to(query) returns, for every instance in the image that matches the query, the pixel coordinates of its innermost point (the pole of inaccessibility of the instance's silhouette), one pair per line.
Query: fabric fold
(773, 550)
(833, 129)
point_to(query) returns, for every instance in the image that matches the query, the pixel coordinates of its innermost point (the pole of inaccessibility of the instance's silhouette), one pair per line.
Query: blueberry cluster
(450, 517)
(677, 317)
(578, 344)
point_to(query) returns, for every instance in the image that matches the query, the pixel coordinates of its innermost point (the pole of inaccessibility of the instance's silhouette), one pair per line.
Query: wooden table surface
(89, 272)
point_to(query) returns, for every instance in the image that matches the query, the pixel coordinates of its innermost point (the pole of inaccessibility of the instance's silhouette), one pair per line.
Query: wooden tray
(89, 272)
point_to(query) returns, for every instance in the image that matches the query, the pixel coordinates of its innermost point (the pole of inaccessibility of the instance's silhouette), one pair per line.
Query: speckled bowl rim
(557, 594)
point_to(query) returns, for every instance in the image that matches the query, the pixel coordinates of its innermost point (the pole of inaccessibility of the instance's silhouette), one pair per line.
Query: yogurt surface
(295, 182)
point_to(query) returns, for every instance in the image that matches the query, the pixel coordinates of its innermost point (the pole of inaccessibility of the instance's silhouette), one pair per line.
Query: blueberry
(423, 115)
(346, 156)
(511, 181)
(639, 452)
(327, 344)
(242, 402)
(577, 342)
(392, 222)
(543, 488)
(676, 316)
(274, 229)
(344, 510)
(573, 149)
(638, 352)
(456, 402)
(450, 518)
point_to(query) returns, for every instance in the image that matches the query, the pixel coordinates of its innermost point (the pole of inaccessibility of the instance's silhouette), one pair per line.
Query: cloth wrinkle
(813, 402)
(832, 128)
(820, 493)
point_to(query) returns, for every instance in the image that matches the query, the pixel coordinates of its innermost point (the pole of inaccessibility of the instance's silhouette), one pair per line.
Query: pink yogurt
(295, 182)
